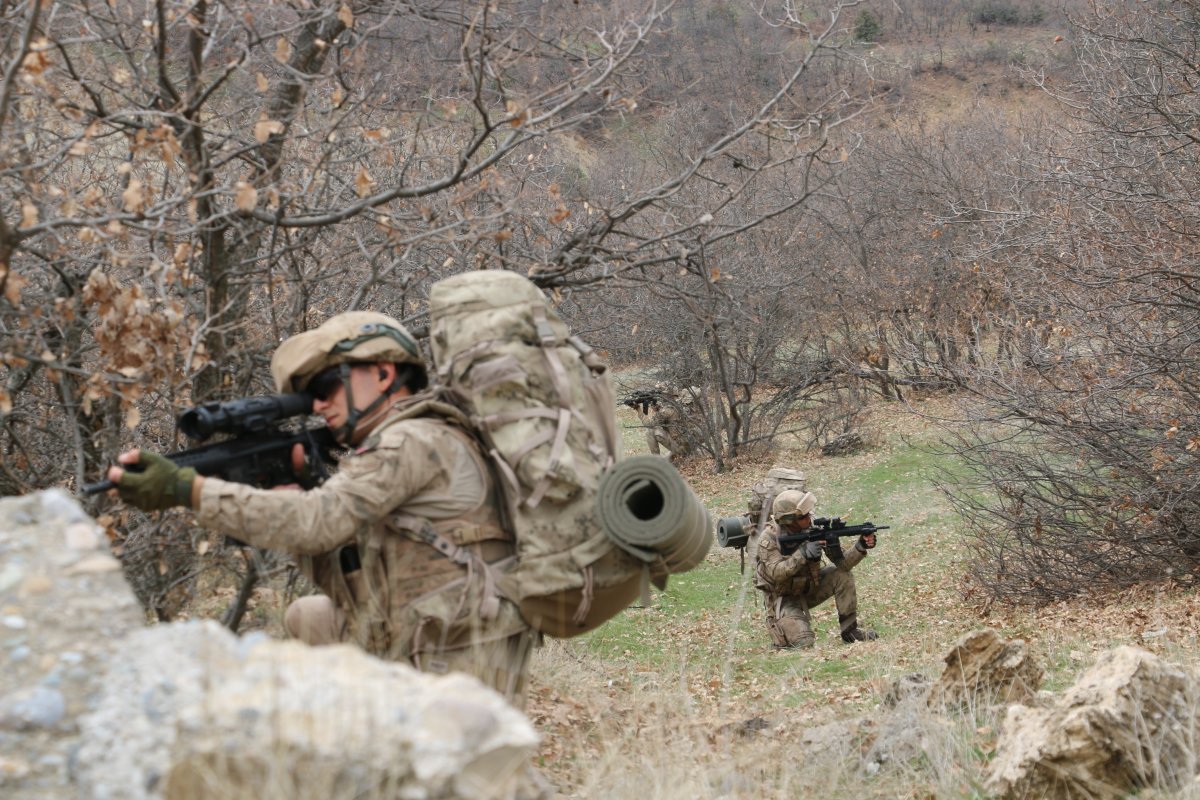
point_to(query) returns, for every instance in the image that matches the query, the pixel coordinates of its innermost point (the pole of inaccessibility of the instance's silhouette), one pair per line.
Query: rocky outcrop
(194, 712)
(64, 608)
(984, 668)
(1128, 722)
(95, 705)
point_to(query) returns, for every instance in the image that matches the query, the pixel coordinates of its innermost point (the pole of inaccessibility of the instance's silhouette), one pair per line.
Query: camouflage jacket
(414, 471)
(777, 574)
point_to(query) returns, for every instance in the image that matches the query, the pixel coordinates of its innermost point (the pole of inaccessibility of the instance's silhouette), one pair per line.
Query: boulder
(193, 712)
(1129, 722)
(983, 668)
(93, 704)
(64, 608)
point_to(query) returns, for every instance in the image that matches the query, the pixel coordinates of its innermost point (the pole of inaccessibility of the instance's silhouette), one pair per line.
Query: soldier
(370, 536)
(795, 583)
(662, 423)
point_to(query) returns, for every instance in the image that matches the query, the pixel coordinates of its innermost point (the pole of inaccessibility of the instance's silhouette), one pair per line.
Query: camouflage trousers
(658, 437)
(501, 664)
(788, 618)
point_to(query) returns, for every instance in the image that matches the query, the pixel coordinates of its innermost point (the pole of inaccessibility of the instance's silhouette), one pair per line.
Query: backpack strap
(422, 530)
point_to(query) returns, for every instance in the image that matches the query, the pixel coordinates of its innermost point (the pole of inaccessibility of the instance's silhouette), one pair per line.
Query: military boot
(851, 633)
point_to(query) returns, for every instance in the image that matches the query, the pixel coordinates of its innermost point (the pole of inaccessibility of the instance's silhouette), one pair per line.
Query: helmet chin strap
(355, 416)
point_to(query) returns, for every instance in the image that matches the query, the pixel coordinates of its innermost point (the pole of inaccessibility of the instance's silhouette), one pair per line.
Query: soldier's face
(366, 386)
(798, 523)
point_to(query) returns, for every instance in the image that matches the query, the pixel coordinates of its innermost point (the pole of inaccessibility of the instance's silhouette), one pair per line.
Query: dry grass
(762, 724)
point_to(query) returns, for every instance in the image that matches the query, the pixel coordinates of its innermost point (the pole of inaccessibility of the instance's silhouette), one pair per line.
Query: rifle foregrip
(97, 488)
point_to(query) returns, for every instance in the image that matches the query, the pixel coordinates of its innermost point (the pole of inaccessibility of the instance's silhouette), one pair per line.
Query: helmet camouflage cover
(793, 503)
(352, 337)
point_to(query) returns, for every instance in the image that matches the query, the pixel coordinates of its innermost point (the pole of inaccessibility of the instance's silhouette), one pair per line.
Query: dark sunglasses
(325, 383)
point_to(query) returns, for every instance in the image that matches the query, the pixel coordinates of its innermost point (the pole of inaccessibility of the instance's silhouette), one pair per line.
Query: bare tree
(183, 184)
(1083, 449)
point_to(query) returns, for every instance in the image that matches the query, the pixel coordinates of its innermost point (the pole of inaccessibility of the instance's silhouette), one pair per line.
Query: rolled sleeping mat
(733, 531)
(648, 510)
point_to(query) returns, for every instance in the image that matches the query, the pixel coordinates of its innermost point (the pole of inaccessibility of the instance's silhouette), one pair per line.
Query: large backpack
(764, 492)
(540, 401)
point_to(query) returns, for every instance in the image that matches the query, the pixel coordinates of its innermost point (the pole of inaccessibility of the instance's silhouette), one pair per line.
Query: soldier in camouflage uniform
(796, 583)
(661, 423)
(402, 540)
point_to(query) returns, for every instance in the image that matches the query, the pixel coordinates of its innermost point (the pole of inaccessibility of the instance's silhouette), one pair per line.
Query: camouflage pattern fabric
(408, 602)
(791, 586)
(651, 438)
(661, 424)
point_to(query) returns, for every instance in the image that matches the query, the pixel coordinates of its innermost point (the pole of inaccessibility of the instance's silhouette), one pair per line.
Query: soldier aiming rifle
(788, 570)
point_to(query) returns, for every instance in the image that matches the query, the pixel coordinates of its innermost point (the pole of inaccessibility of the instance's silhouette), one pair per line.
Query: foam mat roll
(648, 509)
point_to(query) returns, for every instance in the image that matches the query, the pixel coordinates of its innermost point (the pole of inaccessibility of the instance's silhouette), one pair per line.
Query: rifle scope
(244, 416)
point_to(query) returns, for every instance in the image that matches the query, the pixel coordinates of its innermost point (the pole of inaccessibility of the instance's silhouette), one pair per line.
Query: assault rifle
(643, 398)
(735, 532)
(260, 452)
(826, 531)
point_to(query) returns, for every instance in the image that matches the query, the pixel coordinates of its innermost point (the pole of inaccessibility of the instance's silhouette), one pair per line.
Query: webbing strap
(530, 444)
(589, 356)
(548, 340)
(556, 451)
(585, 600)
(512, 486)
(421, 529)
(505, 417)
(466, 355)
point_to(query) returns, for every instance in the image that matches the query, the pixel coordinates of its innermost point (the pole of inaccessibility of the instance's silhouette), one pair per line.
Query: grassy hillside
(686, 698)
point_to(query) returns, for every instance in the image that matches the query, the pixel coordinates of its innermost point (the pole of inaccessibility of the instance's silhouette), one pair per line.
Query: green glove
(160, 484)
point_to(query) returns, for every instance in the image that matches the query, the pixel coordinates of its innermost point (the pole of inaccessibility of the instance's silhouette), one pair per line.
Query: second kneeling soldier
(793, 584)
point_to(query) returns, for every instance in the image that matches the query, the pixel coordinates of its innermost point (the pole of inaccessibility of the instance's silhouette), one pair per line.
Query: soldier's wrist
(185, 487)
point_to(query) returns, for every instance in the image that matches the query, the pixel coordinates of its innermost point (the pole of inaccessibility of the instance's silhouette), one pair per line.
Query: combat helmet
(354, 337)
(793, 503)
(349, 338)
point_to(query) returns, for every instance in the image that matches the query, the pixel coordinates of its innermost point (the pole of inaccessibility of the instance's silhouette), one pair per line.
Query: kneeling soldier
(795, 583)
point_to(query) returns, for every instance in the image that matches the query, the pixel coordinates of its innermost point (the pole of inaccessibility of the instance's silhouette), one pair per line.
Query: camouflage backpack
(764, 492)
(540, 401)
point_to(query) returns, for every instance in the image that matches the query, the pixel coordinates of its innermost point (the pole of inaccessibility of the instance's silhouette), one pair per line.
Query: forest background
(798, 214)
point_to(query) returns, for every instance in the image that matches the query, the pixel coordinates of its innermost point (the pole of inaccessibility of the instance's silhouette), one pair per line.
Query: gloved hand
(865, 542)
(812, 551)
(160, 483)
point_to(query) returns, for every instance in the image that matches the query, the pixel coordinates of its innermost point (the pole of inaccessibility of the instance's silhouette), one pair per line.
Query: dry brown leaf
(363, 182)
(346, 16)
(265, 127)
(13, 285)
(29, 214)
(133, 199)
(261, 81)
(35, 63)
(247, 196)
(283, 50)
